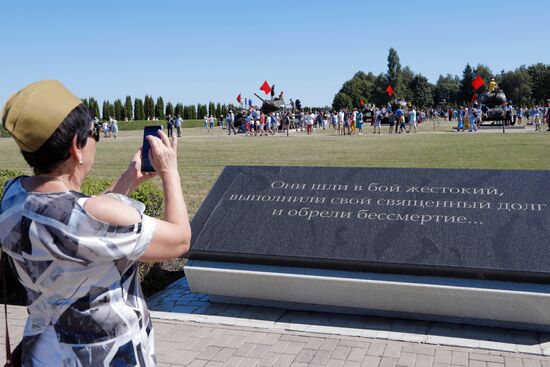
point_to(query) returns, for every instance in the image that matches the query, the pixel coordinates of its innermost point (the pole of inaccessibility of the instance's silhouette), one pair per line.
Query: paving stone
(295, 348)
(477, 364)
(233, 361)
(335, 363)
(280, 346)
(370, 361)
(459, 358)
(419, 349)
(314, 343)
(423, 360)
(354, 343)
(392, 350)
(209, 353)
(249, 362)
(197, 363)
(244, 349)
(321, 357)
(270, 339)
(512, 362)
(305, 355)
(493, 364)
(442, 356)
(388, 362)
(341, 352)
(258, 351)
(531, 363)
(352, 364)
(224, 354)
(406, 359)
(299, 364)
(376, 349)
(213, 364)
(268, 359)
(357, 354)
(284, 360)
(329, 344)
(486, 358)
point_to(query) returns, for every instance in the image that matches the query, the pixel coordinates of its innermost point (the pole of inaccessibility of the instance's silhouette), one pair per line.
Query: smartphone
(146, 165)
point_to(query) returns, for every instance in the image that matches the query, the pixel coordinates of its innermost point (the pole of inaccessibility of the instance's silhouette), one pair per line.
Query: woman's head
(72, 132)
(51, 126)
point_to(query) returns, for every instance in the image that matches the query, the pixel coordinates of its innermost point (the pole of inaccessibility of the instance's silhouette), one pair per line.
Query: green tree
(516, 85)
(119, 110)
(484, 72)
(380, 96)
(212, 109)
(224, 110)
(94, 106)
(178, 110)
(394, 69)
(128, 109)
(85, 101)
(341, 101)
(446, 89)
(139, 113)
(159, 108)
(540, 82)
(466, 90)
(149, 107)
(218, 109)
(202, 110)
(405, 79)
(422, 95)
(106, 110)
(169, 109)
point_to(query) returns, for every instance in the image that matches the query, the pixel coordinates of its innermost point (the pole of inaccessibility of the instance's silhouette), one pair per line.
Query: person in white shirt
(179, 123)
(412, 120)
(341, 122)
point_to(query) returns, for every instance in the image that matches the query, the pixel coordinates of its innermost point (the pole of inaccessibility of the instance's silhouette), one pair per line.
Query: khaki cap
(33, 114)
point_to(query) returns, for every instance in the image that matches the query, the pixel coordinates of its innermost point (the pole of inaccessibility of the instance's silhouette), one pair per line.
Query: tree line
(526, 85)
(148, 108)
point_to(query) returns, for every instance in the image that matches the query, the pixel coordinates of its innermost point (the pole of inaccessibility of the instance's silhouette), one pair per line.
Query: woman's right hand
(163, 154)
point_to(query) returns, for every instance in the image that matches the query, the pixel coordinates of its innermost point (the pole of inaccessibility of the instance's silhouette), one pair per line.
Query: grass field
(202, 155)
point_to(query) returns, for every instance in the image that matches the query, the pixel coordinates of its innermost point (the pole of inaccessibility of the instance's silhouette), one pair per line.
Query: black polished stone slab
(484, 224)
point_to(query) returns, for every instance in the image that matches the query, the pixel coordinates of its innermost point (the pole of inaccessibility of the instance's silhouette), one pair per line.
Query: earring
(81, 163)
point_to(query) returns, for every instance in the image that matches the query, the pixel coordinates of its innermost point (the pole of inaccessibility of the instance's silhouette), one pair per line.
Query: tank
(269, 106)
(491, 106)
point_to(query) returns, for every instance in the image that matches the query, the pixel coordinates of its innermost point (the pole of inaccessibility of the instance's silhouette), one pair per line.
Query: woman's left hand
(134, 171)
(132, 177)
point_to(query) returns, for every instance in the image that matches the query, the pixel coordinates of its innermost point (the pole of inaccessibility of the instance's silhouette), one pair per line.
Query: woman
(77, 255)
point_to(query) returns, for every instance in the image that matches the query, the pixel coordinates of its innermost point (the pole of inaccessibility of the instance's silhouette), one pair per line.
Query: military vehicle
(492, 106)
(269, 106)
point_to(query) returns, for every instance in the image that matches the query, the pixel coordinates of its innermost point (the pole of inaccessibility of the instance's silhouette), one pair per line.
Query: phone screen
(146, 165)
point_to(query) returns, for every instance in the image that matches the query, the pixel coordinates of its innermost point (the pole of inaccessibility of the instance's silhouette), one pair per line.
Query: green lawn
(202, 154)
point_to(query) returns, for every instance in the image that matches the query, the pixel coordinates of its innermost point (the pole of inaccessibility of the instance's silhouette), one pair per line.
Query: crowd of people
(396, 119)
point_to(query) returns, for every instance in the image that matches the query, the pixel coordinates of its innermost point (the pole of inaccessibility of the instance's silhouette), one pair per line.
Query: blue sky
(200, 51)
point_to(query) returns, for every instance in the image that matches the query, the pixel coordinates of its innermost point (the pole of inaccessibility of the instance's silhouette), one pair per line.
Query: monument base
(479, 302)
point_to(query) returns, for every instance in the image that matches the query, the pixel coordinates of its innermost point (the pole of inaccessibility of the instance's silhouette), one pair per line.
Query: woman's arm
(172, 235)
(131, 178)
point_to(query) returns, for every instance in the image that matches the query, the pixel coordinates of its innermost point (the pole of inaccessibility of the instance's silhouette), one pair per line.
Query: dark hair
(56, 149)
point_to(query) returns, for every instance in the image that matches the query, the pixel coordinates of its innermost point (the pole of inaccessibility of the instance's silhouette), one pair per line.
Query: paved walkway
(192, 331)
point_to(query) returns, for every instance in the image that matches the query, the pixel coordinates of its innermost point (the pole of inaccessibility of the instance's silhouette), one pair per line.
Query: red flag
(477, 82)
(474, 97)
(265, 87)
(389, 90)
(239, 98)
(362, 102)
